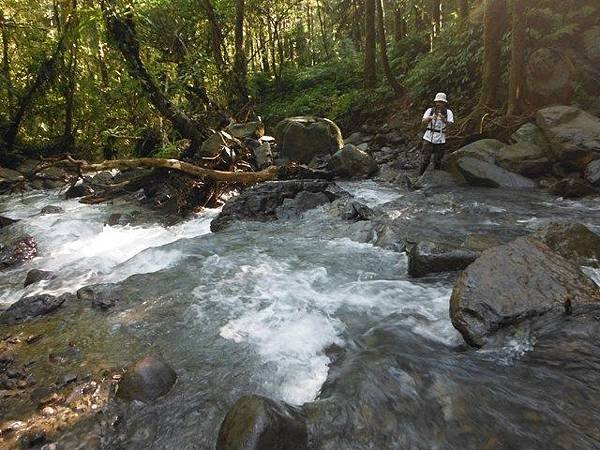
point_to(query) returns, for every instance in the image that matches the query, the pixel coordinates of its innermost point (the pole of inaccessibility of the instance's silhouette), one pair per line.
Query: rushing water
(259, 307)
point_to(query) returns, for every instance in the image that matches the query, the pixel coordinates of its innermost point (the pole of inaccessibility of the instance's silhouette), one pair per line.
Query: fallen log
(268, 174)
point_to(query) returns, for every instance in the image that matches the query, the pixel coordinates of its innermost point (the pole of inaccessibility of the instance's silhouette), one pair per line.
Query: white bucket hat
(440, 97)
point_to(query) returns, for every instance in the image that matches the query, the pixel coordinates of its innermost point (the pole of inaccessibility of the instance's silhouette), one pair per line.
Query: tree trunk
(495, 25)
(399, 25)
(216, 37)
(517, 61)
(240, 69)
(436, 19)
(323, 35)
(370, 74)
(463, 11)
(123, 34)
(68, 139)
(5, 73)
(383, 50)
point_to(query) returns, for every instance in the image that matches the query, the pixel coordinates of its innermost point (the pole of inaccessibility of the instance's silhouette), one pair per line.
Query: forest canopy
(148, 77)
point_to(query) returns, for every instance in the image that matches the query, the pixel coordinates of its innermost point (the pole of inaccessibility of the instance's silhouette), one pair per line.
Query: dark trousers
(429, 150)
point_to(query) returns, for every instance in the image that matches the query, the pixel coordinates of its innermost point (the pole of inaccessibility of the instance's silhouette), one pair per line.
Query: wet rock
(120, 219)
(102, 180)
(67, 379)
(146, 380)
(357, 211)
(513, 282)
(263, 155)
(481, 173)
(262, 202)
(573, 241)
(246, 130)
(435, 178)
(52, 209)
(33, 306)
(358, 138)
(304, 201)
(259, 423)
(79, 190)
(100, 296)
(33, 438)
(484, 149)
(573, 134)
(592, 173)
(302, 138)
(430, 257)
(16, 251)
(5, 222)
(10, 176)
(572, 188)
(351, 162)
(36, 275)
(481, 242)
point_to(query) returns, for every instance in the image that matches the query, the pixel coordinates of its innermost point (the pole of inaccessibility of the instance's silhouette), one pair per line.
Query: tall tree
(494, 27)
(517, 61)
(370, 74)
(240, 66)
(436, 19)
(393, 82)
(5, 73)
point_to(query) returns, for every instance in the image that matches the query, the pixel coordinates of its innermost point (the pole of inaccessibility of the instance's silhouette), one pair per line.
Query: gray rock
(302, 138)
(435, 178)
(591, 44)
(33, 306)
(100, 296)
(573, 134)
(36, 275)
(146, 380)
(572, 188)
(530, 133)
(304, 201)
(52, 209)
(484, 149)
(573, 241)
(592, 173)
(481, 173)
(120, 219)
(259, 423)
(356, 211)
(430, 257)
(263, 155)
(525, 159)
(481, 242)
(10, 176)
(102, 180)
(352, 162)
(246, 130)
(214, 144)
(262, 202)
(513, 282)
(358, 138)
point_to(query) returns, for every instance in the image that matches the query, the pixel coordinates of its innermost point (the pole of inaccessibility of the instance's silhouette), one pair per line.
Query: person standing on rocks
(437, 119)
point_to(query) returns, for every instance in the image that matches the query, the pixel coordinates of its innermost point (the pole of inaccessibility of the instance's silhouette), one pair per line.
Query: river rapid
(303, 312)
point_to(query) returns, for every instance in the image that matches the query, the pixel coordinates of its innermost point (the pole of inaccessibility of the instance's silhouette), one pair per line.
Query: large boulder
(259, 423)
(146, 380)
(484, 149)
(214, 144)
(246, 130)
(530, 133)
(550, 77)
(79, 190)
(591, 44)
(17, 250)
(272, 200)
(430, 257)
(33, 306)
(524, 158)
(573, 134)
(302, 138)
(572, 188)
(350, 162)
(573, 241)
(263, 155)
(513, 282)
(481, 173)
(10, 176)
(592, 173)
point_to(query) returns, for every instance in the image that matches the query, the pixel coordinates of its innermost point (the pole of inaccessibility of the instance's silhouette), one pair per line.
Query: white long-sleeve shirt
(436, 128)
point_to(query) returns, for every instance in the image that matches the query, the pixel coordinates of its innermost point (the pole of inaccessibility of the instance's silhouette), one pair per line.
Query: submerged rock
(573, 241)
(52, 209)
(276, 199)
(5, 221)
(120, 219)
(592, 173)
(33, 306)
(572, 188)
(302, 138)
(513, 282)
(16, 251)
(36, 275)
(357, 211)
(430, 257)
(146, 380)
(259, 423)
(352, 162)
